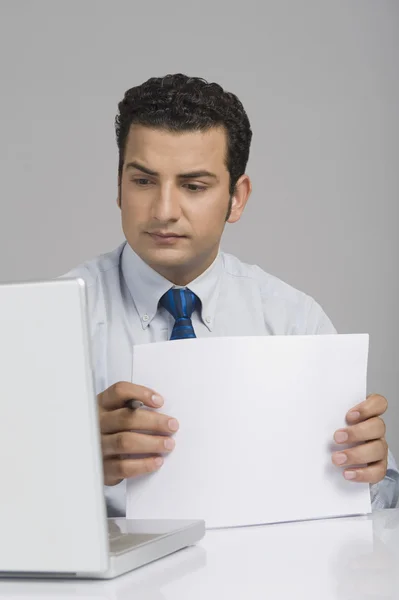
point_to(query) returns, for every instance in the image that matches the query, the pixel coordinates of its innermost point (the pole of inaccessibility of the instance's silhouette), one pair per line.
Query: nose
(166, 206)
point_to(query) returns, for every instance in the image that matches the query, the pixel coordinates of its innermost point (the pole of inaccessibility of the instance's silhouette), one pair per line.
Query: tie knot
(181, 303)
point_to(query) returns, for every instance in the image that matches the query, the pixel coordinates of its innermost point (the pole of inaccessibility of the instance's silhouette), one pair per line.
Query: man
(183, 150)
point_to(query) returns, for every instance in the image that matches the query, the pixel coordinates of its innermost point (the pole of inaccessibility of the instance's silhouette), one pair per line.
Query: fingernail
(350, 474)
(354, 415)
(158, 461)
(169, 444)
(173, 425)
(157, 400)
(340, 436)
(340, 459)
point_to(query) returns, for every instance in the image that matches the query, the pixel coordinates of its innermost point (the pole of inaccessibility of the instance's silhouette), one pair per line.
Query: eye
(193, 187)
(141, 181)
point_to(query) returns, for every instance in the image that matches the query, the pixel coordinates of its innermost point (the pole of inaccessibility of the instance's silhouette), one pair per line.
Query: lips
(164, 239)
(163, 235)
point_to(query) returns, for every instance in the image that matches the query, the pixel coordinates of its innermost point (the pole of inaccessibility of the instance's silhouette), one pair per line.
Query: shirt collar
(146, 287)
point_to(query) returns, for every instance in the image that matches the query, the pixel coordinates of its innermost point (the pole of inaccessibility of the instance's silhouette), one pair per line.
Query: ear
(240, 198)
(119, 198)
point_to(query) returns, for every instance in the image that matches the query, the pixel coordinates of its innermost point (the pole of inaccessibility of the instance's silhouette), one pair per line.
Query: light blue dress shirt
(236, 299)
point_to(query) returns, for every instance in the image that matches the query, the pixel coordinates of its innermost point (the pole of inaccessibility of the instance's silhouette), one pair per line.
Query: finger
(125, 419)
(117, 395)
(374, 406)
(127, 442)
(370, 474)
(117, 469)
(363, 454)
(372, 429)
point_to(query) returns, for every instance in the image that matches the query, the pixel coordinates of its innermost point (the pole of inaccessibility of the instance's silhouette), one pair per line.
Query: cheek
(208, 220)
(133, 211)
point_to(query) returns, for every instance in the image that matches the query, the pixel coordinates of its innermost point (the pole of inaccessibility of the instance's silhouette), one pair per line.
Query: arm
(385, 492)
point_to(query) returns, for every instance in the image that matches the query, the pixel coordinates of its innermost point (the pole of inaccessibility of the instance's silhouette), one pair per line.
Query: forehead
(177, 150)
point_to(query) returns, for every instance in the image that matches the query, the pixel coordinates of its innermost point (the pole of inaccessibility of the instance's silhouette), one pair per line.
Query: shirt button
(146, 318)
(208, 319)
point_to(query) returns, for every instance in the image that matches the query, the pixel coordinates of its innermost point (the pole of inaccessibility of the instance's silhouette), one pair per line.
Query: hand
(118, 440)
(366, 430)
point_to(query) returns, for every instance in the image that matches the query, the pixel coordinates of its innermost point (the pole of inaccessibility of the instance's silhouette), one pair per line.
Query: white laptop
(52, 510)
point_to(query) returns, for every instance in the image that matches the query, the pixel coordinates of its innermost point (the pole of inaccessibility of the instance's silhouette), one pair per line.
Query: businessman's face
(174, 198)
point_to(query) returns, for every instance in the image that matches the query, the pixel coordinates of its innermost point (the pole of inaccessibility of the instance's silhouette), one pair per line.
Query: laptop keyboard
(123, 542)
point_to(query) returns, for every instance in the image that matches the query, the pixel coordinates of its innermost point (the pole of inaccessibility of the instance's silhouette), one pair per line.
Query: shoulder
(269, 285)
(101, 276)
(96, 269)
(303, 315)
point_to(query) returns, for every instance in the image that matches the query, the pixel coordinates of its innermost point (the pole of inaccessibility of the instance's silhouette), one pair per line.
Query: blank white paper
(257, 417)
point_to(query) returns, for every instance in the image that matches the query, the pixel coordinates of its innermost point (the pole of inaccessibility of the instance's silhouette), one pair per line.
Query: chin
(165, 257)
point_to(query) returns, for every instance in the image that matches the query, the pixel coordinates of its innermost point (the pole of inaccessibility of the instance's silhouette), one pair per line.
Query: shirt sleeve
(385, 493)
(317, 322)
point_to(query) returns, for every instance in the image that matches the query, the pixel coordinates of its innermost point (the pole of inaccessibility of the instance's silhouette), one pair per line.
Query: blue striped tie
(181, 304)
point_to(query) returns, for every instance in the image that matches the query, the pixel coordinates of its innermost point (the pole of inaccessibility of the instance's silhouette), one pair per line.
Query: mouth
(165, 237)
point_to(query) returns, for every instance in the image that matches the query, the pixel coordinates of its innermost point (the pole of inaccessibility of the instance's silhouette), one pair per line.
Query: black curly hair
(181, 103)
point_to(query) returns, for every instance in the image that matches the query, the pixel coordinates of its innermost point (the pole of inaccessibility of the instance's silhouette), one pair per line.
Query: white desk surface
(345, 559)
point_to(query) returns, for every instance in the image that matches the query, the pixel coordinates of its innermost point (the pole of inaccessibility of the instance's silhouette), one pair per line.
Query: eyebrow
(191, 175)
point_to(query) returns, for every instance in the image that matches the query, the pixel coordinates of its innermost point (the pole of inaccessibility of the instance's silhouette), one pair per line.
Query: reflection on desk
(345, 559)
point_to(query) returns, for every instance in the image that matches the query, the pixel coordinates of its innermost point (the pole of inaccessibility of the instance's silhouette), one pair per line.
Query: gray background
(320, 82)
